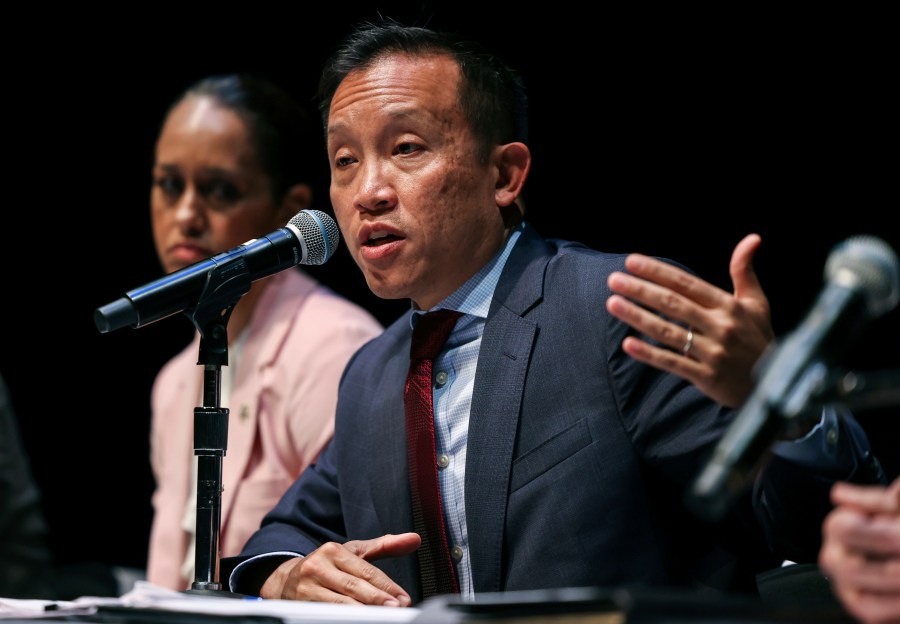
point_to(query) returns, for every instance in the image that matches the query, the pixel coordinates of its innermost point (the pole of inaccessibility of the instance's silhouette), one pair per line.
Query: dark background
(671, 132)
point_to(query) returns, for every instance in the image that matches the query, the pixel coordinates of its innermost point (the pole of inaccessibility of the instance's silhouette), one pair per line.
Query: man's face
(415, 206)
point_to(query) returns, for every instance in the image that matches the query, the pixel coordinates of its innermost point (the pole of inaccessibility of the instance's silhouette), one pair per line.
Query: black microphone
(310, 237)
(862, 276)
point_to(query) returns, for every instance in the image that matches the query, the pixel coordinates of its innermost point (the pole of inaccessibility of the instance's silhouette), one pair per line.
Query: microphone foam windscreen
(870, 265)
(319, 232)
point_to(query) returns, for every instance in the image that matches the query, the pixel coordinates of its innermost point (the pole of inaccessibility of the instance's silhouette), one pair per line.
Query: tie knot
(431, 332)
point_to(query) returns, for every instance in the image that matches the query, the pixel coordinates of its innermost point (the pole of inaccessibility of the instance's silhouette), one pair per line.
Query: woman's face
(209, 193)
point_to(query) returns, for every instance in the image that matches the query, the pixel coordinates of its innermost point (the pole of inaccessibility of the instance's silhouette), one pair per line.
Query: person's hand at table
(342, 573)
(860, 551)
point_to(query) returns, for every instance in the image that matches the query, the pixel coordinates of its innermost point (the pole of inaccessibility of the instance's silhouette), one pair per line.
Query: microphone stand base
(216, 593)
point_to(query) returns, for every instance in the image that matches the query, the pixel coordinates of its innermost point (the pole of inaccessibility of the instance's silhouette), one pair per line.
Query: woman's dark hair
(281, 129)
(492, 94)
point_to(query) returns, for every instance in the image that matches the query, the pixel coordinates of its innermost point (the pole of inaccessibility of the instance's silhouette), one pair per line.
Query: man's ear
(513, 164)
(298, 197)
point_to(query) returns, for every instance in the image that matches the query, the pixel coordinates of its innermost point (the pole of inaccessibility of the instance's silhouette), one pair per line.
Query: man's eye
(407, 148)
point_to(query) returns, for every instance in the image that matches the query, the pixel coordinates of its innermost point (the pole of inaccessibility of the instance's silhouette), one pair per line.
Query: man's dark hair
(491, 93)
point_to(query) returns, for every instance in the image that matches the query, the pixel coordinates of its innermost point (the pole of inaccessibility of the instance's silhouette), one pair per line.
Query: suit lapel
(496, 405)
(387, 432)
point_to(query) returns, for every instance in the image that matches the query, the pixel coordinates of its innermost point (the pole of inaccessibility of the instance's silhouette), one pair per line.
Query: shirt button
(443, 461)
(456, 552)
(441, 378)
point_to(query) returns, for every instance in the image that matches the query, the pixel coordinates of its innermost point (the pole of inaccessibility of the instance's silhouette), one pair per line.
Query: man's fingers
(871, 498)
(676, 279)
(389, 545)
(334, 573)
(743, 276)
(647, 323)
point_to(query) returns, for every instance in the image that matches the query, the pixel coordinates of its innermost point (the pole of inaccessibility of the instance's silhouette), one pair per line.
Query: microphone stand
(225, 285)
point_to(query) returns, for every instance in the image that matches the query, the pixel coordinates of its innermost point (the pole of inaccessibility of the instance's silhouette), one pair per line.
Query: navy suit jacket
(578, 455)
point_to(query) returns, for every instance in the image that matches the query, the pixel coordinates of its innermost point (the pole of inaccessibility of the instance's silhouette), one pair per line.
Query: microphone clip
(225, 284)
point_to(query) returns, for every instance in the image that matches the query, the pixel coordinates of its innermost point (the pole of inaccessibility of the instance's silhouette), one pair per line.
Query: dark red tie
(436, 567)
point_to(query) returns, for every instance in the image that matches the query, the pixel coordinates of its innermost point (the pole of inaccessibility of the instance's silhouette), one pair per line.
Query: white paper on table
(145, 595)
(33, 609)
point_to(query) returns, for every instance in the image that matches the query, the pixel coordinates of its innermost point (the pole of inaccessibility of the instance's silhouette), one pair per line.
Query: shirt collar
(474, 296)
